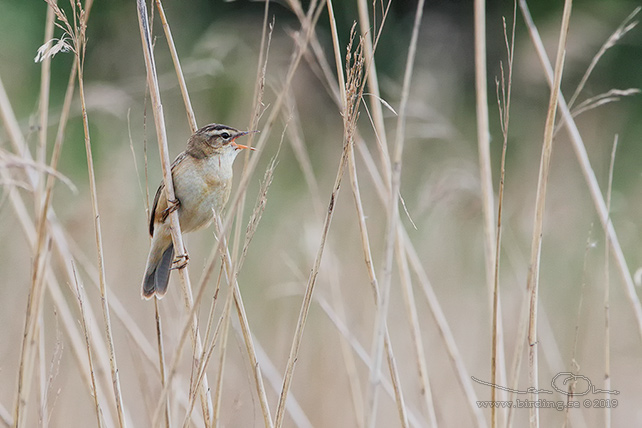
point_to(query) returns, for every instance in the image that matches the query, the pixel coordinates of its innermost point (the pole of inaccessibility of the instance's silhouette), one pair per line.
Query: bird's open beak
(241, 146)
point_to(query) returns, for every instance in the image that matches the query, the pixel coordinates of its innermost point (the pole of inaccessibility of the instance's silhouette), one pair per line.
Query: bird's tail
(157, 273)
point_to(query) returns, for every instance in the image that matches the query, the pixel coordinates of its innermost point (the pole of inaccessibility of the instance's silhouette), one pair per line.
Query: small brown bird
(202, 177)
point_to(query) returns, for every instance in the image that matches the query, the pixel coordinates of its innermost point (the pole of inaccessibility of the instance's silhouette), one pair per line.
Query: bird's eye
(225, 135)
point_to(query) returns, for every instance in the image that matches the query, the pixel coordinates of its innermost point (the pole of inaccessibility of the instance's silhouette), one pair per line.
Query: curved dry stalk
(191, 118)
(88, 346)
(413, 418)
(315, 12)
(483, 141)
(307, 299)
(45, 83)
(247, 334)
(589, 174)
(77, 33)
(36, 294)
(98, 230)
(373, 84)
(218, 394)
(393, 218)
(204, 360)
(540, 203)
(259, 90)
(177, 238)
(415, 329)
(161, 356)
(607, 288)
(257, 104)
(498, 359)
(59, 301)
(435, 308)
(352, 100)
(627, 25)
(58, 238)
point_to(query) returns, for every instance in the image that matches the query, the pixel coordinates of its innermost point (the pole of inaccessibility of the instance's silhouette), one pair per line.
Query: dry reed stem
(246, 333)
(161, 356)
(31, 329)
(503, 103)
(483, 142)
(463, 377)
(43, 405)
(357, 397)
(265, 132)
(43, 104)
(373, 85)
(40, 156)
(388, 386)
(203, 360)
(379, 129)
(232, 275)
(70, 324)
(574, 366)
(77, 34)
(415, 329)
(29, 229)
(83, 319)
(245, 328)
(301, 157)
(218, 394)
(353, 94)
(191, 117)
(367, 253)
(607, 288)
(626, 26)
(610, 96)
(303, 40)
(589, 174)
(343, 105)
(329, 81)
(257, 109)
(391, 227)
(80, 43)
(177, 239)
(596, 195)
(258, 97)
(128, 323)
(303, 160)
(356, 393)
(307, 299)
(274, 378)
(59, 239)
(540, 203)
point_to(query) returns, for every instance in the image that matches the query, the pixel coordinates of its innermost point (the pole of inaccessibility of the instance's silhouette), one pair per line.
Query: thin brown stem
(177, 237)
(540, 203)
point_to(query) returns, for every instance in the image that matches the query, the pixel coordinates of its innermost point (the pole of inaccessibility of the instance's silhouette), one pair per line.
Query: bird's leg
(180, 261)
(172, 205)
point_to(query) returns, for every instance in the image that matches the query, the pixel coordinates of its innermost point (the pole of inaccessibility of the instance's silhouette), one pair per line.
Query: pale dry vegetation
(373, 268)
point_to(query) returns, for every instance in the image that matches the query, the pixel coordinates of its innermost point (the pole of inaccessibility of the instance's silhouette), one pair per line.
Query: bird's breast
(202, 190)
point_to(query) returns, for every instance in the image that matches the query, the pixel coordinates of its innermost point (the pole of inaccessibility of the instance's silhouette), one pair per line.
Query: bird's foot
(180, 261)
(172, 205)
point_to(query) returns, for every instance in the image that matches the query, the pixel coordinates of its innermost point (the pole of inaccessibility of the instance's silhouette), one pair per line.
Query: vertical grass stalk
(540, 203)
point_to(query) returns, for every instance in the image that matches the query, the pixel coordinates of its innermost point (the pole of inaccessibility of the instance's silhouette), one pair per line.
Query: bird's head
(215, 139)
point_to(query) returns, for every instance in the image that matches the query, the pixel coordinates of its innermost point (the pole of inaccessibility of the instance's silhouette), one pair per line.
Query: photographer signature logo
(560, 382)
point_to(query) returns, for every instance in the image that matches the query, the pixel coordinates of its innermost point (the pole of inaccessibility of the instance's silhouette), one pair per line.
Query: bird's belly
(199, 199)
